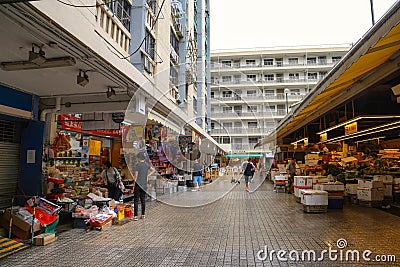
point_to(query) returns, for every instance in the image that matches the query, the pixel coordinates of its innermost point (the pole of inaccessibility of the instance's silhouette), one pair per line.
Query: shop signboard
(350, 128)
(94, 147)
(73, 123)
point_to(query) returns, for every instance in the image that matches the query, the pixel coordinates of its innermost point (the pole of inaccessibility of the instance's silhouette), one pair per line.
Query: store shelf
(69, 158)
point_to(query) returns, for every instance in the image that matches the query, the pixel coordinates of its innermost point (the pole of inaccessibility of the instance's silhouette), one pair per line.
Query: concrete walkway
(227, 232)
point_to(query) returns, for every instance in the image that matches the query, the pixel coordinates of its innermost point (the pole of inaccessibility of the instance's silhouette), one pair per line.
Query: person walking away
(197, 175)
(235, 178)
(244, 164)
(111, 178)
(141, 172)
(291, 170)
(248, 174)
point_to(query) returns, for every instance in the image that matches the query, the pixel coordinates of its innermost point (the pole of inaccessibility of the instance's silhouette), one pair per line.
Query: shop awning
(376, 48)
(250, 155)
(153, 115)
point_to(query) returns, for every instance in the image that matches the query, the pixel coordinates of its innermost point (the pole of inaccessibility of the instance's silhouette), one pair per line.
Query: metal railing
(216, 65)
(260, 97)
(265, 81)
(239, 130)
(266, 114)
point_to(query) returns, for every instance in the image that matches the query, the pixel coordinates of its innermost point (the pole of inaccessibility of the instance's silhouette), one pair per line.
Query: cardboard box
(386, 179)
(351, 189)
(19, 228)
(311, 162)
(396, 180)
(311, 157)
(310, 197)
(370, 194)
(387, 190)
(44, 239)
(370, 184)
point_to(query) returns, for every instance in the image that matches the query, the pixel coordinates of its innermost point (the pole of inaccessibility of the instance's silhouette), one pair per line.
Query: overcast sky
(271, 23)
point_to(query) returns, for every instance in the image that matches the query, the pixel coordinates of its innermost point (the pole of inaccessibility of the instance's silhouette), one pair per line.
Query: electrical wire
(72, 5)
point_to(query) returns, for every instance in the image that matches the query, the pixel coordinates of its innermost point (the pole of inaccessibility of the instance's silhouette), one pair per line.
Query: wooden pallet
(98, 228)
(371, 204)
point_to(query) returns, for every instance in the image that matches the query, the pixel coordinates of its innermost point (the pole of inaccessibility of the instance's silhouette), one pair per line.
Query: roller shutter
(9, 161)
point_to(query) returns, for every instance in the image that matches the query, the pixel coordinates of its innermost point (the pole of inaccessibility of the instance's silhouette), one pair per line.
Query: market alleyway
(227, 232)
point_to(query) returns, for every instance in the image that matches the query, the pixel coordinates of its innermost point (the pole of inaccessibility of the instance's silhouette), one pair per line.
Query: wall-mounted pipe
(51, 110)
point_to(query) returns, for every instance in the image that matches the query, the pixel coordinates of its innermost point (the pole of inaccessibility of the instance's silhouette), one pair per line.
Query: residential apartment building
(251, 90)
(175, 52)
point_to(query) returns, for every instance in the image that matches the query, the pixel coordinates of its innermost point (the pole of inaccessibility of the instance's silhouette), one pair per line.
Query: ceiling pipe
(51, 110)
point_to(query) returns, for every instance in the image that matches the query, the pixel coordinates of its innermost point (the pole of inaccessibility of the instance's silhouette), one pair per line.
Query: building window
(227, 109)
(336, 59)
(212, 125)
(212, 94)
(250, 62)
(293, 76)
(269, 92)
(269, 77)
(251, 92)
(322, 74)
(226, 63)
(293, 61)
(252, 124)
(253, 140)
(226, 78)
(312, 76)
(322, 60)
(251, 108)
(251, 77)
(227, 124)
(227, 94)
(268, 62)
(311, 60)
(279, 62)
(149, 45)
(226, 140)
(294, 91)
(121, 9)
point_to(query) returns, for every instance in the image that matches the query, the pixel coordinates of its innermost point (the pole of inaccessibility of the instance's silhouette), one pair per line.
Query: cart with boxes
(280, 183)
(314, 200)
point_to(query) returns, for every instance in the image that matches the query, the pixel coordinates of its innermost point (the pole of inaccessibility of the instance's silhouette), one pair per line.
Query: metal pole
(287, 105)
(372, 12)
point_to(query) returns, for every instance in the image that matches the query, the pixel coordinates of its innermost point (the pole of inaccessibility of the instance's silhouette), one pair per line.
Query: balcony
(251, 115)
(174, 55)
(260, 98)
(277, 64)
(115, 21)
(239, 131)
(264, 82)
(247, 147)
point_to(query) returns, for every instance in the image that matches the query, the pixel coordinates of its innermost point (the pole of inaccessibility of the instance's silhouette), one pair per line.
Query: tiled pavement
(227, 232)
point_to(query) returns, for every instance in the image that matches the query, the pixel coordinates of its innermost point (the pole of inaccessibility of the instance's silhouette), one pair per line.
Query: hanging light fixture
(82, 79)
(110, 93)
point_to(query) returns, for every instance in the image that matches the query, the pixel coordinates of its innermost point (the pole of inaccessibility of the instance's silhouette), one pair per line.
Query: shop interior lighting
(28, 65)
(357, 119)
(110, 93)
(377, 129)
(82, 79)
(370, 139)
(298, 141)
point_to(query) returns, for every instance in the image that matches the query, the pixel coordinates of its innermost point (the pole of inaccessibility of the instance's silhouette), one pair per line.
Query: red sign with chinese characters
(73, 123)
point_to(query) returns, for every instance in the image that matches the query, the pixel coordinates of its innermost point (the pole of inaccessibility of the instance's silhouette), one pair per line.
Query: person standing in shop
(141, 172)
(197, 175)
(111, 177)
(291, 170)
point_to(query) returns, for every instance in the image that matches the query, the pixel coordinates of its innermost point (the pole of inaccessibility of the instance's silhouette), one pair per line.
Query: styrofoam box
(311, 157)
(281, 177)
(303, 181)
(369, 184)
(387, 190)
(297, 190)
(311, 197)
(329, 187)
(386, 179)
(351, 189)
(311, 162)
(370, 194)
